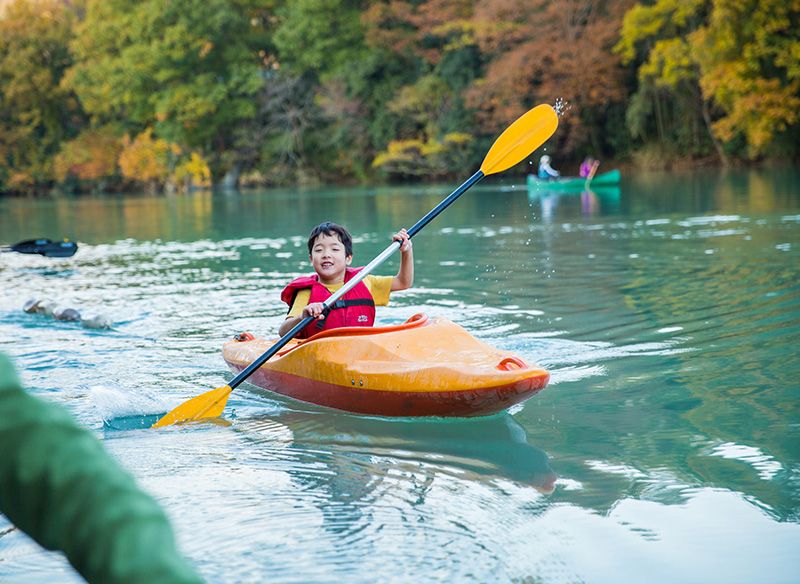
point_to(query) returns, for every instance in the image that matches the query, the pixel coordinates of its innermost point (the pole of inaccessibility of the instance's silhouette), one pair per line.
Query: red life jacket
(356, 308)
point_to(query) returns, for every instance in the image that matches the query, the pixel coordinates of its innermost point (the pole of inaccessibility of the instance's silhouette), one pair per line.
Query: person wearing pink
(587, 165)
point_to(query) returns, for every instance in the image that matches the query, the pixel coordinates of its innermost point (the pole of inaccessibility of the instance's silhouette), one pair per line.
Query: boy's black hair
(329, 229)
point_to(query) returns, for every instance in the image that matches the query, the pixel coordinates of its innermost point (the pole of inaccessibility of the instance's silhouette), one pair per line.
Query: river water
(666, 447)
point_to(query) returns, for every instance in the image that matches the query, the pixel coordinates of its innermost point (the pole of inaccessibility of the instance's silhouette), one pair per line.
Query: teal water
(665, 449)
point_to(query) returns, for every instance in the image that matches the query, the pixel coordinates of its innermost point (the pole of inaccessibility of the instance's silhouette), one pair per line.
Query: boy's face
(329, 259)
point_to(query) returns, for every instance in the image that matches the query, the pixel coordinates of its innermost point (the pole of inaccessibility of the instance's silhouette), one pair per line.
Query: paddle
(593, 170)
(520, 139)
(45, 247)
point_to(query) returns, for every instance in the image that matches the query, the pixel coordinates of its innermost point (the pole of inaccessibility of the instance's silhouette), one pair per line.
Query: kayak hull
(457, 403)
(421, 368)
(610, 178)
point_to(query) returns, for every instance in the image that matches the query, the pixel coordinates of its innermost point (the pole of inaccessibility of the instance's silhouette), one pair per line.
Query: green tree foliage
(424, 103)
(324, 37)
(736, 62)
(298, 91)
(36, 112)
(749, 59)
(185, 68)
(434, 42)
(283, 138)
(346, 84)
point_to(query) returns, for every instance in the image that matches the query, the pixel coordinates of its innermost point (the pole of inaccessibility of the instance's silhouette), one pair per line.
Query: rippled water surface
(665, 449)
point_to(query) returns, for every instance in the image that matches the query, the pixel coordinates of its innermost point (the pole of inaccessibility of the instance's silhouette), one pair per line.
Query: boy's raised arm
(405, 275)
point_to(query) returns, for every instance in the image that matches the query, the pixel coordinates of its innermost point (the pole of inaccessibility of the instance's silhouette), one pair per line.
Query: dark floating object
(45, 247)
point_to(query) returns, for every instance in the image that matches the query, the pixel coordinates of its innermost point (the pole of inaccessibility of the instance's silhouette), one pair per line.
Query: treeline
(116, 94)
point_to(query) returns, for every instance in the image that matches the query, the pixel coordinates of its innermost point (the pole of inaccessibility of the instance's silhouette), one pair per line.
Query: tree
(147, 160)
(92, 156)
(748, 54)
(323, 37)
(36, 112)
(281, 137)
(188, 69)
(543, 51)
(310, 124)
(435, 41)
(737, 60)
(432, 158)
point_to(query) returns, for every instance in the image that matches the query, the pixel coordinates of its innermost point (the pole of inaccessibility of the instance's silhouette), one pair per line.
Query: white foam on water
(709, 220)
(113, 403)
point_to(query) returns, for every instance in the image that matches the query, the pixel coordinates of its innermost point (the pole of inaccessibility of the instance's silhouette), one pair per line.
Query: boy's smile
(329, 259)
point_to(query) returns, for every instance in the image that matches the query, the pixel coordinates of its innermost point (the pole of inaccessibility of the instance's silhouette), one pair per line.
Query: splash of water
(562, 106)
(113, 403)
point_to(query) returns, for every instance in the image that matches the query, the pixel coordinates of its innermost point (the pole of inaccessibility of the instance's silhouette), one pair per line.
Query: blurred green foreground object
(60, 486)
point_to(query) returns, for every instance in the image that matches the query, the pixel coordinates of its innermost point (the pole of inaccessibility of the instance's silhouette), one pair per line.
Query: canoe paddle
(45, 247)
(518, 141)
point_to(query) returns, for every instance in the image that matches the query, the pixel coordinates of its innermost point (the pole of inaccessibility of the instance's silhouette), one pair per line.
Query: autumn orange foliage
(537, 51)
(91, 156)
(544, 51)
(145, 158)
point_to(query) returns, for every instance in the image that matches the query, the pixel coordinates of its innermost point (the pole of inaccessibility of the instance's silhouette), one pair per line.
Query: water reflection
(590, 202)
(376, 480)
(495, 446)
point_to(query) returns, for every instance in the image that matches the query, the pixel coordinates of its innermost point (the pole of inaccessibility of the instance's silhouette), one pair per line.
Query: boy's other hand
(402, 237)
(314, 309)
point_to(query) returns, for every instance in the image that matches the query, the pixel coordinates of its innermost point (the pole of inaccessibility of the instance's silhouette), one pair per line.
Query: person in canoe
(547, 172)
(330, 250)
(588, 167)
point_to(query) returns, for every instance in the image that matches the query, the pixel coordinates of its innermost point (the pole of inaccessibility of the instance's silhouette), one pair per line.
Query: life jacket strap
(344, 304)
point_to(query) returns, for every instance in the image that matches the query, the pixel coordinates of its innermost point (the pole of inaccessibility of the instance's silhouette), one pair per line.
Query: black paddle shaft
(246, 372)
(433, 213)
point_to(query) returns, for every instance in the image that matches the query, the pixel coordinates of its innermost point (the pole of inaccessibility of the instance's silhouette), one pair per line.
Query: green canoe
(574, 183)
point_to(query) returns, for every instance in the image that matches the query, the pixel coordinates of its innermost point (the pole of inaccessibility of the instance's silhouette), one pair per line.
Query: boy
(330, 249)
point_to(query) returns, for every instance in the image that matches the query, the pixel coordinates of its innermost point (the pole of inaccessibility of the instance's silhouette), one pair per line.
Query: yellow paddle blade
(207, 405)
(520, 139)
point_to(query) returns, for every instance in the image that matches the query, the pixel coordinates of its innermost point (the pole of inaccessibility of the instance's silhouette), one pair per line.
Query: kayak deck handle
(416, 318)
(511, 364)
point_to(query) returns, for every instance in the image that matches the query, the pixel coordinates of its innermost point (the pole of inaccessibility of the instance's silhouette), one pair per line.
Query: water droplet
(561, 106)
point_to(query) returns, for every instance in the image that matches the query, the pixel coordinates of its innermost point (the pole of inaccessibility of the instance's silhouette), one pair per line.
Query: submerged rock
(39, 306)
(46, 306)
(96, 321)
(67, 314)
(31, 305)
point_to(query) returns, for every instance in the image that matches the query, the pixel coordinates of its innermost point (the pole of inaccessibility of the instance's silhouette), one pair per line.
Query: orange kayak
(423, 367)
